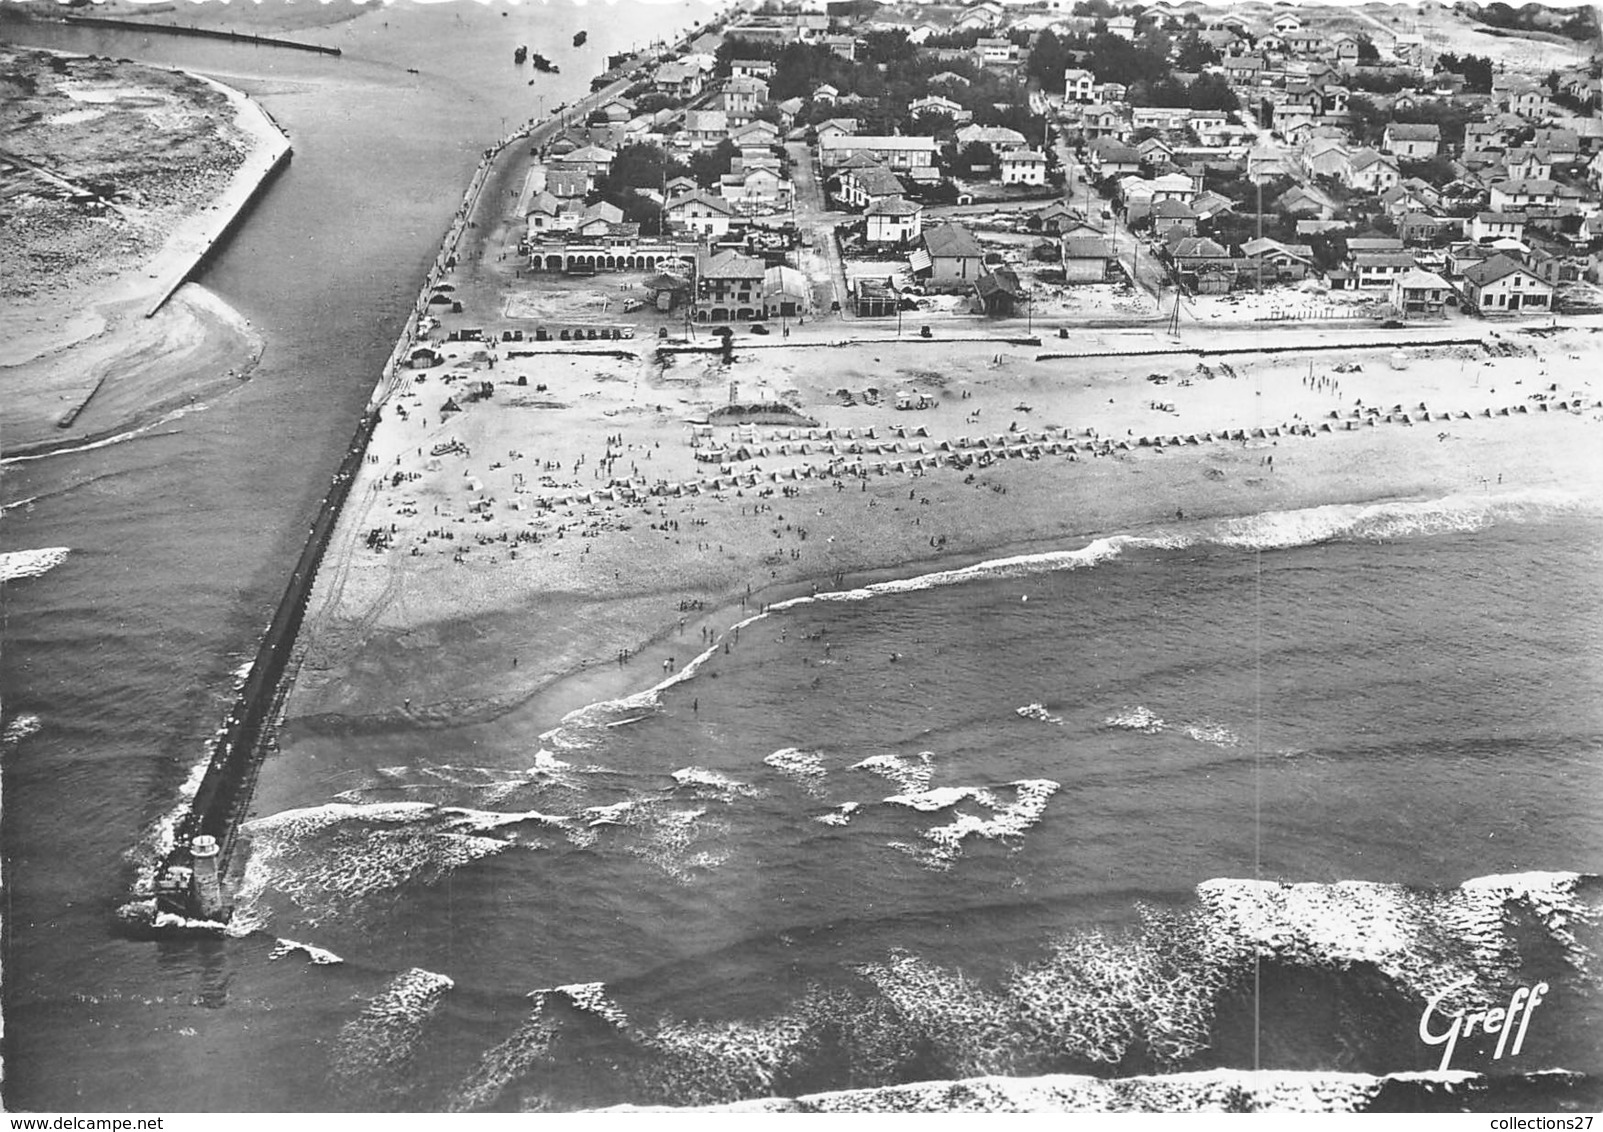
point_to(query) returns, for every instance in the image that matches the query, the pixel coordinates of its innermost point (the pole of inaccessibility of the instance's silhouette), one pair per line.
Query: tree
(708, 165)
(1367, 52)
(1476, 69)
(1193, 53)
(975, 154)
(656, 101)
(639, 165)
(1436, 170)
(886, 46)
(1048, 60)
(641, 210)
(1211, 92)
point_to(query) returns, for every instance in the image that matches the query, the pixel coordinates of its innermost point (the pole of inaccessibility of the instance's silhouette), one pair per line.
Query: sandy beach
(549, 524)
(561, 524)
(104, 332)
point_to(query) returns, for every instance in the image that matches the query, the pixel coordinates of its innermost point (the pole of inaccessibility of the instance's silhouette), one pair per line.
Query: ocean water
(1239, 795)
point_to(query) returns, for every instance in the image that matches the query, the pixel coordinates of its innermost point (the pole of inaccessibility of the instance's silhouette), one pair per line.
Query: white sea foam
(158, 841)
(619, 813)
(18, 564)
(504, 1063)
(373, 1056)
(840, 815)
(671, 838)
(1207, 731)
(1136, 719)
(943, 796)
(329, 858)
(710, 782)
(1023, 565)
(168, 921)
(1011, 819)
(1278, 530)
(804, 767)
(911, 775)
(483, 821)
(18, 729)
(1039, 712)
(317, 956)
(592, 999)
(1457, 942)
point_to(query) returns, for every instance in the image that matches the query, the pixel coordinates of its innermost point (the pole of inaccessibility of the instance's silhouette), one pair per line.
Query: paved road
(1138, 261)
(813, 217)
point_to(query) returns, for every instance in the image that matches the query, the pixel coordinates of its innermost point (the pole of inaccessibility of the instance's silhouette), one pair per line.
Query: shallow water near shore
(879, 837)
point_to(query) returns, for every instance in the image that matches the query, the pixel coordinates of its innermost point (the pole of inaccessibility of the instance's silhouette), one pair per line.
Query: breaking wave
(911, 775)
(317, 956)
(1106, 1003)
(325, 859)
(840, 815)
(1280, 530)
(376, 1051)
(18, 564)
(806, 768)
(18, 729)
(1140, 719)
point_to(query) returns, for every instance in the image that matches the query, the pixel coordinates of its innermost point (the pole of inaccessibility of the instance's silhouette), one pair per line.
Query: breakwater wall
(199, 33)
(230, 773)
(193, 250)
(187, 883)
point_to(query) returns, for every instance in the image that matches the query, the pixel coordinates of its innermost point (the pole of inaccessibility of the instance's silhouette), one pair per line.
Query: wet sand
(88, 357)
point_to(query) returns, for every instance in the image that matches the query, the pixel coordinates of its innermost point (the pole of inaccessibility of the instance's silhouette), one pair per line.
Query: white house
(897, 152)
(1079, 86)
(1501, 285)
(758, 189)
(895, 220)
(1507, 196)
(1023, 167)
(702, 214)
(1413, 141)
(1497, 225)
(1371, 171)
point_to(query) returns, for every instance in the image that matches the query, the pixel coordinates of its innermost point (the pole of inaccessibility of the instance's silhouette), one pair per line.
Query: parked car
(758, 328)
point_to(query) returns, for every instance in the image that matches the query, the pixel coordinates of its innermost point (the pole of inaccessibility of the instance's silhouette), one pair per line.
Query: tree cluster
(1580, 25)
(1476, 69)
(1205, 92)
(636, 167)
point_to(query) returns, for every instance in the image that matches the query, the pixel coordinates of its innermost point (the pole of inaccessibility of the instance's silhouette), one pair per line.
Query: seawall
(189, 250)
(231, 769)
